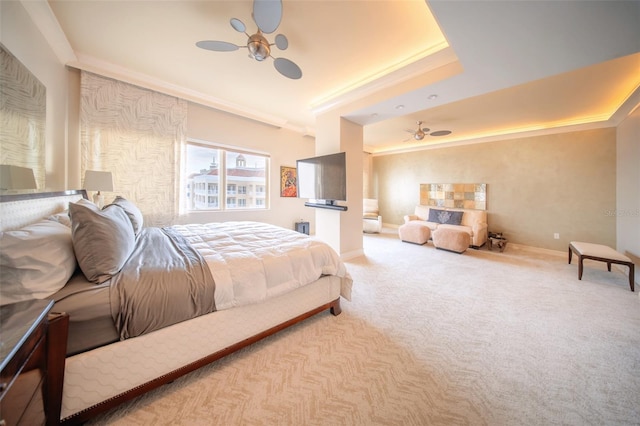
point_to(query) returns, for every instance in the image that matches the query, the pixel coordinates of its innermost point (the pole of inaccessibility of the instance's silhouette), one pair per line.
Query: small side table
(496, 239)
(302, 227)
(32, 354)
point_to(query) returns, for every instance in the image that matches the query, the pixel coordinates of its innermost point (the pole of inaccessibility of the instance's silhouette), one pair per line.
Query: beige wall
(284, 147)
(563, 183)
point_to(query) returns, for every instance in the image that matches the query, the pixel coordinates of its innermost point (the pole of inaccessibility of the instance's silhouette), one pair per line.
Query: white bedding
(253, 261)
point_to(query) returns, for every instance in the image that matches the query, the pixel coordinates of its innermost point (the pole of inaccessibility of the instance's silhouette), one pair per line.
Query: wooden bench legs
(581, 258)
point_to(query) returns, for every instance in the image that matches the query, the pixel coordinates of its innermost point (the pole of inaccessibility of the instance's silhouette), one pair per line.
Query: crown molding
(44, 19)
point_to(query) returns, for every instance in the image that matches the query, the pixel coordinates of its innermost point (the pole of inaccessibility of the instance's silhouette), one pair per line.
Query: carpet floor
(432, 338)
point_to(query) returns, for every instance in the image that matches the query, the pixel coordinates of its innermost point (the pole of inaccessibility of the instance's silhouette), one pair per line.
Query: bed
(143, 312)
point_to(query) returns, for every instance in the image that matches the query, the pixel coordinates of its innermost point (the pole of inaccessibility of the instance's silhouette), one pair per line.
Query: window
(210, 169)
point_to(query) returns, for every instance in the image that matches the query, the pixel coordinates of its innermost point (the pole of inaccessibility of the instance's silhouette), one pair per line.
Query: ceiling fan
(421, 132)
(267, 15)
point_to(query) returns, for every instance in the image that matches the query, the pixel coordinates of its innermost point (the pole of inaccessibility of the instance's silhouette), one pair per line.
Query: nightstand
(32, 352)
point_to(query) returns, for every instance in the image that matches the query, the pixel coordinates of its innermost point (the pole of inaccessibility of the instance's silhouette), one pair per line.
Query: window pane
(203, 178)
(246, 180)
(239, 181)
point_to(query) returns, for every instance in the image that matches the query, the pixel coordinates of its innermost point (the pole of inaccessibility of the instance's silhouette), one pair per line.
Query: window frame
(223, 205)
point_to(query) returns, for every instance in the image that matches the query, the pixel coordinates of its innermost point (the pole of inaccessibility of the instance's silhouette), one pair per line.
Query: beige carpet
(432, 338)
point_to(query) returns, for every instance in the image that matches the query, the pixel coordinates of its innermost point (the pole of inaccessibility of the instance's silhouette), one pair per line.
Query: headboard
(18, 210)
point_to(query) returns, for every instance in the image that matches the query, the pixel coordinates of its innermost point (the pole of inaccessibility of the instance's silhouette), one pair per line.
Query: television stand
(328, 205)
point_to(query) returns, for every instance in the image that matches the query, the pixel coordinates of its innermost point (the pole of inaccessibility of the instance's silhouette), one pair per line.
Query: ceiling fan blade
(281, 42)
(267, 14)
(218, 46)
(440, 133)
(287, 68)
(238, 25)
(425, 129)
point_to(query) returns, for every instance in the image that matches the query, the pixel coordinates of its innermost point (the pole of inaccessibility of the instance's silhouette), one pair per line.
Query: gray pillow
(102, 240)
(132, 211)
(445, 216)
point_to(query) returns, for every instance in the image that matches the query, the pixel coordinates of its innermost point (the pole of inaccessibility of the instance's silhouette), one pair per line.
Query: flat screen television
(323, 178)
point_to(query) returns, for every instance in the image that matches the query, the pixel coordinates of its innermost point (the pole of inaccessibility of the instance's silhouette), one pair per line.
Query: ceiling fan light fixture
(267, 15)
(258, 46)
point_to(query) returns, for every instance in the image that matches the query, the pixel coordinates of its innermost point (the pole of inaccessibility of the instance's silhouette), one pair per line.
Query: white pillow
(35, 261)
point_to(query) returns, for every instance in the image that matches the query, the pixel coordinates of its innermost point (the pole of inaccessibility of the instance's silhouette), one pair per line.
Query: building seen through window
(240, 175)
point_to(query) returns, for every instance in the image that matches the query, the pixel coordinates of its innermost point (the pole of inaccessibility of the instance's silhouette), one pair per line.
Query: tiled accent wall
(23, 117)
(137, 135)
(454, 195)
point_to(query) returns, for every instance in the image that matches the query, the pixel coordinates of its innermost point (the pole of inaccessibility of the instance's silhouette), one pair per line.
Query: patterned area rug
(432, 338)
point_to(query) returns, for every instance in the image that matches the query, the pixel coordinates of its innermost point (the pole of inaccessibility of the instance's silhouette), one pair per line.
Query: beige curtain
(136, 134)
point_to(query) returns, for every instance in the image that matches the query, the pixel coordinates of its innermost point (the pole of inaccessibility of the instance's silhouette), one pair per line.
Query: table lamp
(16, 178)
(98, 181)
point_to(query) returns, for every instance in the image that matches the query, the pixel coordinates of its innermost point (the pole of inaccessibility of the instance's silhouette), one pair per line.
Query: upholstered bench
(451, 239)
(414, 232)
(601, 253)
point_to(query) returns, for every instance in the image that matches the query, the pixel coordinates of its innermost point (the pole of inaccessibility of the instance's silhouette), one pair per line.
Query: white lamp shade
(14, 177)
(98, 181)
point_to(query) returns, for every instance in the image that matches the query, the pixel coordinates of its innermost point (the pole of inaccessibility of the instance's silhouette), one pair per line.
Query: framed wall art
(288, 181)
(455, 195)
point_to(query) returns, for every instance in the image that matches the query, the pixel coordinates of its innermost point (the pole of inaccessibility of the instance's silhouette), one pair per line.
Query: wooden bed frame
(56, 376)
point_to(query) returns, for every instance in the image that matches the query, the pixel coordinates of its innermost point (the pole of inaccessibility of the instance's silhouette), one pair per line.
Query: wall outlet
(556, 236)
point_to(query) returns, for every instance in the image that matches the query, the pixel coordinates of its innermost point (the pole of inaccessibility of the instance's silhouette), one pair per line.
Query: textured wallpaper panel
(23, 117)
(136, 134)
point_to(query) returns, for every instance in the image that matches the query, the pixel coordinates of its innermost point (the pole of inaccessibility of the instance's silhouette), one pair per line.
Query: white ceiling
(497, 67)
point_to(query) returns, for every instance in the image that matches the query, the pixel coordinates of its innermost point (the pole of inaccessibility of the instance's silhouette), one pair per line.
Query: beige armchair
(371, 219)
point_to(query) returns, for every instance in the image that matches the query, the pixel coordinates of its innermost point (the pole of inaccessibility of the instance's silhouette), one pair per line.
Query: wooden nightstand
(32, 352)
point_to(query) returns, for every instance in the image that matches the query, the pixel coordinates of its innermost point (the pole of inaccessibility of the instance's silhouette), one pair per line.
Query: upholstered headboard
(19, 210)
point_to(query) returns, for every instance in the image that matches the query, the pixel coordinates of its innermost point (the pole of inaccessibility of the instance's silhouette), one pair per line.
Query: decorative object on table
(288, 181)
(454, 195)
(98, 181)
(13, 178)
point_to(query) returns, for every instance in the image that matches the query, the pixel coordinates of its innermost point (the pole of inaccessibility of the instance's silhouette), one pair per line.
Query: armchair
(371, 219)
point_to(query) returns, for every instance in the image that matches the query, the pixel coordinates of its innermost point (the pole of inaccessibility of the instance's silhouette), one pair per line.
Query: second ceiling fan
(267, 15)
(421, 132)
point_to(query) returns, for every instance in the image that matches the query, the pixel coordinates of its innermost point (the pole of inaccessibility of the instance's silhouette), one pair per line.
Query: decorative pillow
(35, 261)
(445, 217)
(102, 240)
(132, 211)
